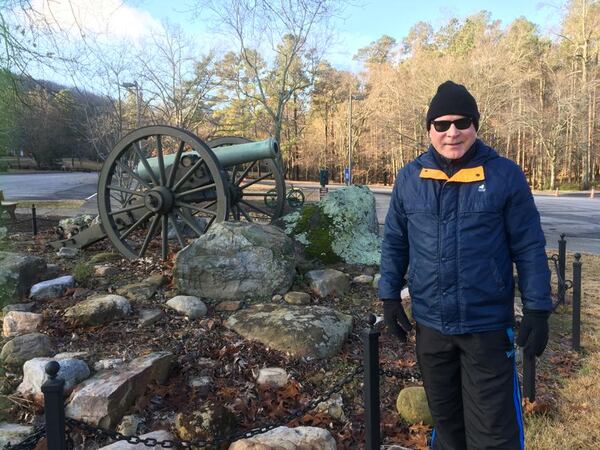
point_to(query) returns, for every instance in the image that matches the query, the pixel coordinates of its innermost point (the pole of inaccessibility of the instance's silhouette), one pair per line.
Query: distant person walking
(460, 216)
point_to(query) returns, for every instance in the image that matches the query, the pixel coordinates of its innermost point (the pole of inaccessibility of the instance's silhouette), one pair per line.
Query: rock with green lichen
(341, 227)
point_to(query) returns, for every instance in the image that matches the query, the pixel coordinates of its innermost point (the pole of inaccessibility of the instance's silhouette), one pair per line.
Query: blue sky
(367, 20)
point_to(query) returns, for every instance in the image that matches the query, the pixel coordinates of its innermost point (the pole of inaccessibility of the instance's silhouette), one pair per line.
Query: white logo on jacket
(481, 188)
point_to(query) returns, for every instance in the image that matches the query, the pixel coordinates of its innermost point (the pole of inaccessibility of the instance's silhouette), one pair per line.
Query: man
(459, 217)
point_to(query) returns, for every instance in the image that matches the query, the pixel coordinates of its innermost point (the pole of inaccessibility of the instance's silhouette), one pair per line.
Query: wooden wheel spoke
(193, 191)
(256, 208)
(246, 216)
(194, 208)
(175, 164)
(177, 231)
(245, 172)
(112, 187)
(136, 224)
(144, 161)
(129, 208)
(161, 161)
(188, 174)
(149, 236)
(165, 237)
(256, 180)
(132, 174)
(192, 225)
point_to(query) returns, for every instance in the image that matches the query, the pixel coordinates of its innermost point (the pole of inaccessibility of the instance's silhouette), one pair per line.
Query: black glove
(533, 333)
(395, 319)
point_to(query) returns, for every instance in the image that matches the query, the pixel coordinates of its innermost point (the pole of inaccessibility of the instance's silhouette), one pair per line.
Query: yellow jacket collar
(467, 175)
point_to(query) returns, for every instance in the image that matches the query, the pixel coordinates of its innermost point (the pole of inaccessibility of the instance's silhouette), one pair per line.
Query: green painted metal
(227, 156)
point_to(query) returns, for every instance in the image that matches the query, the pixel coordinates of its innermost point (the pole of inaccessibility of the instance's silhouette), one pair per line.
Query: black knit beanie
(452, 98)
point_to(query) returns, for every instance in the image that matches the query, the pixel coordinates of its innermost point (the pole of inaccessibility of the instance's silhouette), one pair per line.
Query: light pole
(136, 87)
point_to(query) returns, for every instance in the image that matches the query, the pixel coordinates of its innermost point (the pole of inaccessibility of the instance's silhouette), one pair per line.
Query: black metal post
(576, 343)
(33, 220)
(371, 385)
(54, 409)
(529, 377)
(562, 258)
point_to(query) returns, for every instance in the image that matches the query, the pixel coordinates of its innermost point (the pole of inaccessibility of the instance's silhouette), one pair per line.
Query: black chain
(172, 443)
(30, 441)
(402, 373)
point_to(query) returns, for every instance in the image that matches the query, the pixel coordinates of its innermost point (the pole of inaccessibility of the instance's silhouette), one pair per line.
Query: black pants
(472, 389)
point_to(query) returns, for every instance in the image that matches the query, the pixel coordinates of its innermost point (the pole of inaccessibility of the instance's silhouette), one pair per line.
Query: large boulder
(17, 274)
(236, 260)
(302, 331)
(72, 370)
(18, 322)
(284, 438)
(23, 348)
(341, 227)
(105, 398)
(99, 310)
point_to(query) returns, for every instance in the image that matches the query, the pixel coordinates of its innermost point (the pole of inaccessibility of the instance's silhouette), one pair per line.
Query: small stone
(272, 376)
(67, 252)
(288, 438)
(105, 270)
(277, 298)
(22, 307)
(143, 290)
(50, 289)
(297, 298)
(129, 425)
(334, 407)
(149, 317)
(376, 279)
(328, 282)
(188, 305)
(17, 322)
(229, 305)
(98, 310)
(412, 405)
(108, 364)
(203, 384)
(363, 279)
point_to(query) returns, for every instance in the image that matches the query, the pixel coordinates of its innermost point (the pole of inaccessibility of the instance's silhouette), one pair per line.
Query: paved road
(578, 217)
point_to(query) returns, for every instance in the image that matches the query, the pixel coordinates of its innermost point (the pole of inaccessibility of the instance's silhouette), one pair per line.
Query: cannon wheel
(190, 194)
(249, 199)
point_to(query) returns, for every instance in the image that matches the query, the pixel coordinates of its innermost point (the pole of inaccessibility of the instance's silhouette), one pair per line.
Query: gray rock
(108, 364)
(376, 279)
(277, 298)
(302, 331)
(99, 310)
(207, 422)
(334, 407)
(297, 298)
(363, 279)
(67, 252)
(203, 384)
(328, 282)
(188, 305)
(105, 270)
(23, 307)
(129, 425)
(160, 435)
(73, 371)
(236, 260)
(342, 226)
(50, 289)
(229, 305)
(23, 348)
(149, 317)
(272, 376)
(288, 438)
(143, 290)
(103, 399)
(412, 405)
(17, 274)
(17, 322)
(13, 433)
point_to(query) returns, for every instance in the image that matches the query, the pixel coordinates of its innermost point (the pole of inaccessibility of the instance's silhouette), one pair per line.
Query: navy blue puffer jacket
(459, 237)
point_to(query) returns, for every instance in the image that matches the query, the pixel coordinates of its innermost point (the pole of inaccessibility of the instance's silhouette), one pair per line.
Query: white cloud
(104, 19)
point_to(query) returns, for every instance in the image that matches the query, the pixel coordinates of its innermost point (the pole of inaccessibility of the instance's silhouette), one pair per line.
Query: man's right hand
(395, 319)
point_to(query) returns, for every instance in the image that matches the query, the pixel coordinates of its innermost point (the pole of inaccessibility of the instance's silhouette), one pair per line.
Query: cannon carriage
(162, 186)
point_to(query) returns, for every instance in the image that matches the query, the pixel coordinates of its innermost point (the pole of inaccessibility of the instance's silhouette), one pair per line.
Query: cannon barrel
(228, 156)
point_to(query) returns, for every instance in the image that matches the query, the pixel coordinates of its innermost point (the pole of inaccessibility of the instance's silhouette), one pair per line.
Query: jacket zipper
(439, 253)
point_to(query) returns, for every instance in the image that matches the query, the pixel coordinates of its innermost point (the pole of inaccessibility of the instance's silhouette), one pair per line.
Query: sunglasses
(444, 125)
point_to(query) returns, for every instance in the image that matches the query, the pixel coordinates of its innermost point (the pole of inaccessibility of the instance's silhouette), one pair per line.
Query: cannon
(162, 186)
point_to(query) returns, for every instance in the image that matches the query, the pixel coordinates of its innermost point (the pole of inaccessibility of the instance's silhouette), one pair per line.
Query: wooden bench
(8, 207)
